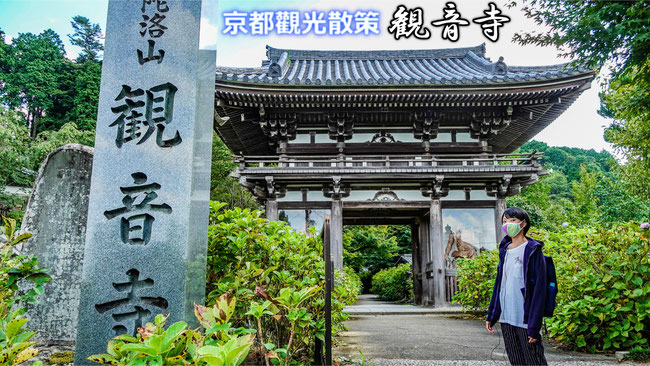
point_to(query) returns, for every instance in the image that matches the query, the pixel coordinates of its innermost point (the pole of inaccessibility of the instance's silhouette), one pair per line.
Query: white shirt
(512, 281)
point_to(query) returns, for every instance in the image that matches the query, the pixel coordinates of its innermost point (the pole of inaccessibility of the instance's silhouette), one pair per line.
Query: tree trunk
(32, 127)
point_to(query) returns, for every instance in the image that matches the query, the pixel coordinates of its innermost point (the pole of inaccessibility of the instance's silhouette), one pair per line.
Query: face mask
(512, 228)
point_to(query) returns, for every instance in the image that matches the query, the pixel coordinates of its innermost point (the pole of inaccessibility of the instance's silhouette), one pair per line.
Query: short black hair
(517, 213)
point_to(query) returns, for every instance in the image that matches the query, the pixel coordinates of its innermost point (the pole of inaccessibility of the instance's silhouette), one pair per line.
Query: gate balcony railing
(389, 161)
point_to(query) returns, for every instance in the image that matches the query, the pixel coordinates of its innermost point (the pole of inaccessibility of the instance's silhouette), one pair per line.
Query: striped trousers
(519, 351)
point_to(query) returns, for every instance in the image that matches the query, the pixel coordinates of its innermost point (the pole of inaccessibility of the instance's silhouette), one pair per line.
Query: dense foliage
(604, 282)
(347, 286)
(476, 280)
(224, 188)
(603, 274)
(280, 273)
(614, 38)
(369, 249)
(21, 156)
(581, 190)
(395, 284)
(46, 101)
(216, 343)
(17, 269)
(36, 77)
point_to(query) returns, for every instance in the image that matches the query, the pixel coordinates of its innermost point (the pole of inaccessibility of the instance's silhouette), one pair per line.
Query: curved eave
(532, 96)
(298, 90)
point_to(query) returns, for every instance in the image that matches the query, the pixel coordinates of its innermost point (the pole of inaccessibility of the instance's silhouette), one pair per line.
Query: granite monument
(147, 226)
(56, 218)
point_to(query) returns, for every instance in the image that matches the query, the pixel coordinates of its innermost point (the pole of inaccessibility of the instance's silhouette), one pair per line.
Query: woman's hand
(531, 339)
(488, 327)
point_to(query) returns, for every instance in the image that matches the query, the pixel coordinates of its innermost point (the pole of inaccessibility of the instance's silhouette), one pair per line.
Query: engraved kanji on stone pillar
(130, 311)
(146, 234)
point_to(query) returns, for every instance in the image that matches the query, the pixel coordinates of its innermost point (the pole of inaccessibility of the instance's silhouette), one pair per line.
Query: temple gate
(417, 137)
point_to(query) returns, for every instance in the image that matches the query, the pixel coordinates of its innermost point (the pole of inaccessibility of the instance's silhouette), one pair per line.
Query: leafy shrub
(347, 286)
(393, 283)
(604, 283)
(15, 344)
(21, 156)
(16, 269)
(476, 280)
(263, 261)
(218, 344)
(374, 247)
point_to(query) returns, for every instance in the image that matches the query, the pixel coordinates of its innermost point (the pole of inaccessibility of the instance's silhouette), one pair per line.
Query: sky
(580, 126)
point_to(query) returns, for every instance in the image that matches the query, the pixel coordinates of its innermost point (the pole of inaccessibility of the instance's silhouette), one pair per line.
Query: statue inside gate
(463, 248)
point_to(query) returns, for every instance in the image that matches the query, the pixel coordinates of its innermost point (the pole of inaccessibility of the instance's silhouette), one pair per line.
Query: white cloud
(208, 37)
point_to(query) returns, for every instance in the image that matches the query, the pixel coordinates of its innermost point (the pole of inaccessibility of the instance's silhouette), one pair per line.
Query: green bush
(604, 286)
(15, 269)
(262, 261)
(476, 280)
(347, 286)
(393, 283)
(216, 343)
(603, 275)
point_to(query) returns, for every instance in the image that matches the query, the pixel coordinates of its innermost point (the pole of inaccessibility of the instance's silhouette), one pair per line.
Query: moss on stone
(60, 358)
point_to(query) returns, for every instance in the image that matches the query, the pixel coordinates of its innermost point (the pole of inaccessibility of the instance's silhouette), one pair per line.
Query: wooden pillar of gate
(427, 298)
(437, 251)
(271, 208)
(416, 266)
(336, 233)
(319, 358)
(500, 207)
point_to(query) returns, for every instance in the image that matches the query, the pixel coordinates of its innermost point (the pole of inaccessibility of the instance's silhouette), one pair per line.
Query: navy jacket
(534, 292)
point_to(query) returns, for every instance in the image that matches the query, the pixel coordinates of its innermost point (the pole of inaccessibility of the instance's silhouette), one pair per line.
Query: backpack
(551, 287)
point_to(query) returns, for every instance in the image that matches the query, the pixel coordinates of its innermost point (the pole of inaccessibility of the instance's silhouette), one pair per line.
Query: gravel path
(385, 362)
(404, 337)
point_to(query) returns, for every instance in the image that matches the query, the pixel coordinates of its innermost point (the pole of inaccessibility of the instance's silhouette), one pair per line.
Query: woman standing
(519, 291)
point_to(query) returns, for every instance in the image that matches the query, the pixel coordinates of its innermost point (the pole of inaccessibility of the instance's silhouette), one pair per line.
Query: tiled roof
(452, 66)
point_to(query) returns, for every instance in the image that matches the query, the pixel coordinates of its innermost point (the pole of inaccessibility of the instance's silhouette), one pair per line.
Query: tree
(558, 186)
(15, 163)
(223, 188)
(86, 95)
(372, 247)
(585, 202)
(615, 34)
(628, 100)
(88, 36)
(31, 80)
(5, 55)
(593, 32)
(21, 157)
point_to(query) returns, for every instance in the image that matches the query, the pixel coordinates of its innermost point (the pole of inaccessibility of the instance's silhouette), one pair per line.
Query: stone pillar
(437, 252)
(336, 233)
(416, 266)
(427, 298)
(146, 236)
(499, 208)
(271, 207)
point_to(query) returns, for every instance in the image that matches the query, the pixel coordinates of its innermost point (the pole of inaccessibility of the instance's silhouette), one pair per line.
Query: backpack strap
(545, 330)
